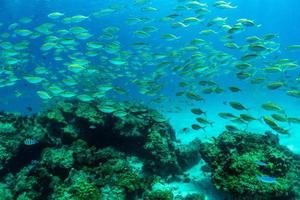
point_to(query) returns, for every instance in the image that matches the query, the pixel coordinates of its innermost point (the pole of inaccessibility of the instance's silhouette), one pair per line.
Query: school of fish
(66, 58)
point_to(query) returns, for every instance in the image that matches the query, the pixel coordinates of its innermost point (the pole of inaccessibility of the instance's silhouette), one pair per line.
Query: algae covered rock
(251, 166)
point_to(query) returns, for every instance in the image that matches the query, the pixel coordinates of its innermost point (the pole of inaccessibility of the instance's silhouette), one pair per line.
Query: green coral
(91, 113)
(24, 196)
(112, 193)
(31, 182)
(7, 128)
(56, 114)
(159, 195)
(117, 172)
(58, 157)
(160, 150)
(77, 187)
(4, 155)
(130, 181)
(234, 158)
(5, 193)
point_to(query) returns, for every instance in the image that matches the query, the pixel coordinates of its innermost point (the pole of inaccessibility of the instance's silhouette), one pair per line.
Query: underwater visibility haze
(149, 100)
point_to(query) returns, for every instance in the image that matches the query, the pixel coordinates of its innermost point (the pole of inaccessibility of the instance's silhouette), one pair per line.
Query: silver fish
(30, 141)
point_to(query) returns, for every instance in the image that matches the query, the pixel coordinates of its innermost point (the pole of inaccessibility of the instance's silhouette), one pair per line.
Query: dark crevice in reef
(24, 156)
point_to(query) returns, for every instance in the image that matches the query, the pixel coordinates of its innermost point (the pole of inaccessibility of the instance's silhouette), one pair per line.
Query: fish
(179, 25)
(194, 96)
(92, 127)
(275, 85)
(225, 115)
(237, 106)
(234, 89)
(198, 111)
(23, 32)
(273, 125)
(85, 98)
(247, 118)
(267, 179)
(190, 20)
(44, 95)
(243, 75)
(293, 47)
(270, 106)
(280, 117)
(257, 80)
(77, 19)
(55, 15)
(293, 120)
(223, 5)
(246, 22)
(270, 122)
(204, 121)
(169, 37)
(270, 36)
(293, 93)
(261, 163)
(231, 128)
(232, 45)
(30, 141)
(33, 79)
(197, 127)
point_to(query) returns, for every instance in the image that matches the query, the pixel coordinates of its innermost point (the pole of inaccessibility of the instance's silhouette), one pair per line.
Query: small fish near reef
(267, 179)
(261, 163)
(30, 142)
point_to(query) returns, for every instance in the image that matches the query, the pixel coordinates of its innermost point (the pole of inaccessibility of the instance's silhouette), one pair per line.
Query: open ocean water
(206, 66)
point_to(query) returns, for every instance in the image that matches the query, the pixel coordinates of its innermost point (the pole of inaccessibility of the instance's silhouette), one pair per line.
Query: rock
(237, 159)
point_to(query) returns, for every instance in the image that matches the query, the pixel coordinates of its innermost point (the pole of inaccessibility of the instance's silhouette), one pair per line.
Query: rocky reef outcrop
(88, 151)
(118, 151)
(252, 166)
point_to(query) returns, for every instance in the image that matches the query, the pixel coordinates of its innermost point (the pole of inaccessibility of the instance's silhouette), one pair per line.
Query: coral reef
(138, 133)
(188, 155)
(119, 151)
(252, 166)
(5, 193)
(195, 197)
(77, 151)
(159, 195)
